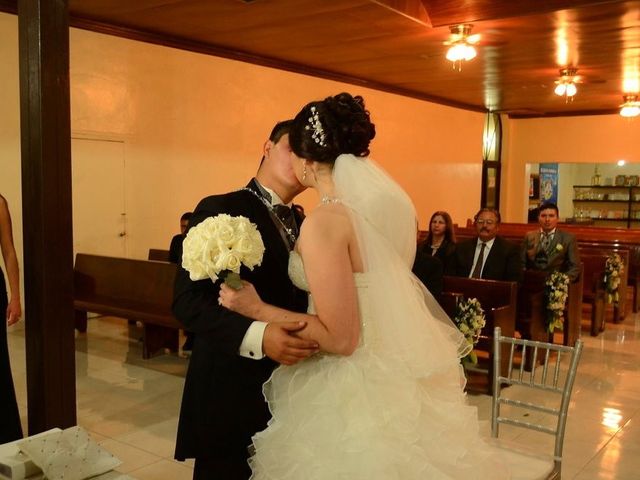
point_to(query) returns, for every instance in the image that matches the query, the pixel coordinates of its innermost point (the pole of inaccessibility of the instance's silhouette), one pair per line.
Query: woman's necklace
(326, 199)
(291, 235)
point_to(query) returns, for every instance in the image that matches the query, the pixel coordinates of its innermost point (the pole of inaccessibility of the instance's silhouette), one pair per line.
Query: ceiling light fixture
(566, 84)
(461, 42)
(630, 107)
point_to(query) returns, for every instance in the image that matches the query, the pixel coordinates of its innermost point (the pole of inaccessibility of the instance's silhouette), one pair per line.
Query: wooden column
(47, 221)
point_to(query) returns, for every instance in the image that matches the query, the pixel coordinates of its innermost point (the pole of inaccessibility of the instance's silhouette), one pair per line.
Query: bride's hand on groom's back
(280, 343)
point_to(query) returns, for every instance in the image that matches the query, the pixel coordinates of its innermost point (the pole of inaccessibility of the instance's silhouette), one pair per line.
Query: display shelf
(600, 201)
(626, 200)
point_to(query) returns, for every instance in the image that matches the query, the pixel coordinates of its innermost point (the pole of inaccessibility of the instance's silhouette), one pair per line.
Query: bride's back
(330, 225)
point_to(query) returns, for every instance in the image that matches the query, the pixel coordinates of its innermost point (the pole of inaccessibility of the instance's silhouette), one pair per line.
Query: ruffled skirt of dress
(363, 417)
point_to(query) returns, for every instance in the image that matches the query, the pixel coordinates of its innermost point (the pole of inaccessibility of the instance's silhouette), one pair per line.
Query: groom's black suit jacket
(222, 403)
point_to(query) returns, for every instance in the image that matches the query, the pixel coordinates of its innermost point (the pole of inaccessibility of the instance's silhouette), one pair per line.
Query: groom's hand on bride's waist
(280, 343)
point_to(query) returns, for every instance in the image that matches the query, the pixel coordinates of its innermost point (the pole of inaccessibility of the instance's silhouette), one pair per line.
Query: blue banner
(549, 183)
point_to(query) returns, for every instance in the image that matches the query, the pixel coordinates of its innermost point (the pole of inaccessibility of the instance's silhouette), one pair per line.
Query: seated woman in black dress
(441, 239)
(10, 428)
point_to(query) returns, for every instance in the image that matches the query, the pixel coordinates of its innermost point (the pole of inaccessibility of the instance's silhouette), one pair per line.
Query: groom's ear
(268, 145)
(265, 151)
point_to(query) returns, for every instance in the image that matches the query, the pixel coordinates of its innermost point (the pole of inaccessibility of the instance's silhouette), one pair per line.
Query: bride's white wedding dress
(394, 409)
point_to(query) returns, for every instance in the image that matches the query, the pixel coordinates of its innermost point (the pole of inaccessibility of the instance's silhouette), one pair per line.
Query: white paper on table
(15, 465)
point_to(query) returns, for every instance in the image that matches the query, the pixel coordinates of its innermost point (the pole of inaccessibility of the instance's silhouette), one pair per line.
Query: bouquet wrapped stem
(232, 279)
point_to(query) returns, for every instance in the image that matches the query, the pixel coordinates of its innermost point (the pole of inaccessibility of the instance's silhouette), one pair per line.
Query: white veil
(405, 316)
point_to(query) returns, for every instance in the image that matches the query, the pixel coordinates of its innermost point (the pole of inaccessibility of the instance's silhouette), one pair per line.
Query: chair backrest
(547, 376)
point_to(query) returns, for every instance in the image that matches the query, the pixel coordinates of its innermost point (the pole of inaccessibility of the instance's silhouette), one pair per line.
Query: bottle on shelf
(595, 180)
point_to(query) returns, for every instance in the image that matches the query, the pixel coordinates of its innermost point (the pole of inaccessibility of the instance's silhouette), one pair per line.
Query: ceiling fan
(566, 84)
(461, 44)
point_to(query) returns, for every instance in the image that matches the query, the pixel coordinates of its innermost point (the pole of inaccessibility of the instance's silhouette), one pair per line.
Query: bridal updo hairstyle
(326, 129)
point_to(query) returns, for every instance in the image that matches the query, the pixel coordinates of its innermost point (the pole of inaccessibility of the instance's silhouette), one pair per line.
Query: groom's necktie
(478, 268)
(285, 214)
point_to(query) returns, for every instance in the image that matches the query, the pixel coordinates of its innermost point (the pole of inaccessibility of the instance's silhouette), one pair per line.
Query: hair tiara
(318, 134)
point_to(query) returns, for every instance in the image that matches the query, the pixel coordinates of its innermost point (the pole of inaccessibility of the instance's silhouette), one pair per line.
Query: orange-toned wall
(587, 139)
(193, 125)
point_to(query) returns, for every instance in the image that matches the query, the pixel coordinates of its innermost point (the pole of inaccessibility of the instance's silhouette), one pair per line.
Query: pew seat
(138, 290)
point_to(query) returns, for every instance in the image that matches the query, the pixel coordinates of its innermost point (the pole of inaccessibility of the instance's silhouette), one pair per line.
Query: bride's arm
(324, 247)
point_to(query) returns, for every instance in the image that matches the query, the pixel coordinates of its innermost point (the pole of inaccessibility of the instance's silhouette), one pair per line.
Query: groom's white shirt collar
(275, 199)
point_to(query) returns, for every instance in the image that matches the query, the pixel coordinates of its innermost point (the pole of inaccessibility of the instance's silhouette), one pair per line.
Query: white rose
(233, 262)
(225, 233)
(193, 260)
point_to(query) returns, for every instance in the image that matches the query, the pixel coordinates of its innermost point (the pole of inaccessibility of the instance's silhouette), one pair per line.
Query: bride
(384, 397)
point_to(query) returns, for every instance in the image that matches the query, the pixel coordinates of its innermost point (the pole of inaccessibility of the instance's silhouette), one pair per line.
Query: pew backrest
(134, 289)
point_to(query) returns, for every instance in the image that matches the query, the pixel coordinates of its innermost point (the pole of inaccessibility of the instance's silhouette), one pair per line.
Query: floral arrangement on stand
(556, 291)
(218, 246)
(470, 320)
(612, 274)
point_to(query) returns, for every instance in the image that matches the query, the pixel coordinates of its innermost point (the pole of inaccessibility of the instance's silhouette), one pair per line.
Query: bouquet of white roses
(555, 294)
(612, 273)
(218, 246)
(470, 319)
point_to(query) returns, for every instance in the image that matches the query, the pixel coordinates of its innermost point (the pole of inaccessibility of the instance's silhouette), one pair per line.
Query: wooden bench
(593, 290)
(498, 300)
(598, 255)
(137, 290)
(621, 238)
(158, 255)
(532, 314)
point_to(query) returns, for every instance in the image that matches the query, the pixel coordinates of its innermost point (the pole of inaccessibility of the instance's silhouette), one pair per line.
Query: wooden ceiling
(397, 45)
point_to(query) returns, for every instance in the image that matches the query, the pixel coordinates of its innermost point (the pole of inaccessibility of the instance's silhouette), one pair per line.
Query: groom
(222, 402)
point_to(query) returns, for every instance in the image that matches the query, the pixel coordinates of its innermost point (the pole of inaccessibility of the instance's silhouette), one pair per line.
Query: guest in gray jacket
(550, 249)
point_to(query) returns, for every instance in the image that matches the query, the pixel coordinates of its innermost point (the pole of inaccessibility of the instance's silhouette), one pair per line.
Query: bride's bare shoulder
(331, 220)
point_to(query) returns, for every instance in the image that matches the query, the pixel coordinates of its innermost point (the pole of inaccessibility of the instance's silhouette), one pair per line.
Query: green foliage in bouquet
(556, 291)
(470, 320)
(612, 274)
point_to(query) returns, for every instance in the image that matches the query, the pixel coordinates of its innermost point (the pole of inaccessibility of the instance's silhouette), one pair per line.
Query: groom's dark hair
(280, 129)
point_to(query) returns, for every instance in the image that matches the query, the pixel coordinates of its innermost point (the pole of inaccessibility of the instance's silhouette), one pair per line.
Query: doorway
(99, 209)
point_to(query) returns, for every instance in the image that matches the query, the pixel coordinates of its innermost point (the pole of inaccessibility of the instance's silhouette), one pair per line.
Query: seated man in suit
(487, 256)
(175, 256)
(175, 249)
(549, 249)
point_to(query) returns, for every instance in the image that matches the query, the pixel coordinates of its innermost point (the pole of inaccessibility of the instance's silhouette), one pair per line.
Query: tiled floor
(131, 406)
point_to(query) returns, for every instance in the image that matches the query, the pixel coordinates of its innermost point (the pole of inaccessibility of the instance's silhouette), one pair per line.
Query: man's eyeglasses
(485, 222)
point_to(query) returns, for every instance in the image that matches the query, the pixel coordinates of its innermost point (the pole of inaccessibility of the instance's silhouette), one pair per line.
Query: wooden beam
(413, 9)
(43, 30)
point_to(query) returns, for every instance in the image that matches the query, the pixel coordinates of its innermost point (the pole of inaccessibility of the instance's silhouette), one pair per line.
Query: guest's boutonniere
(559, 247)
